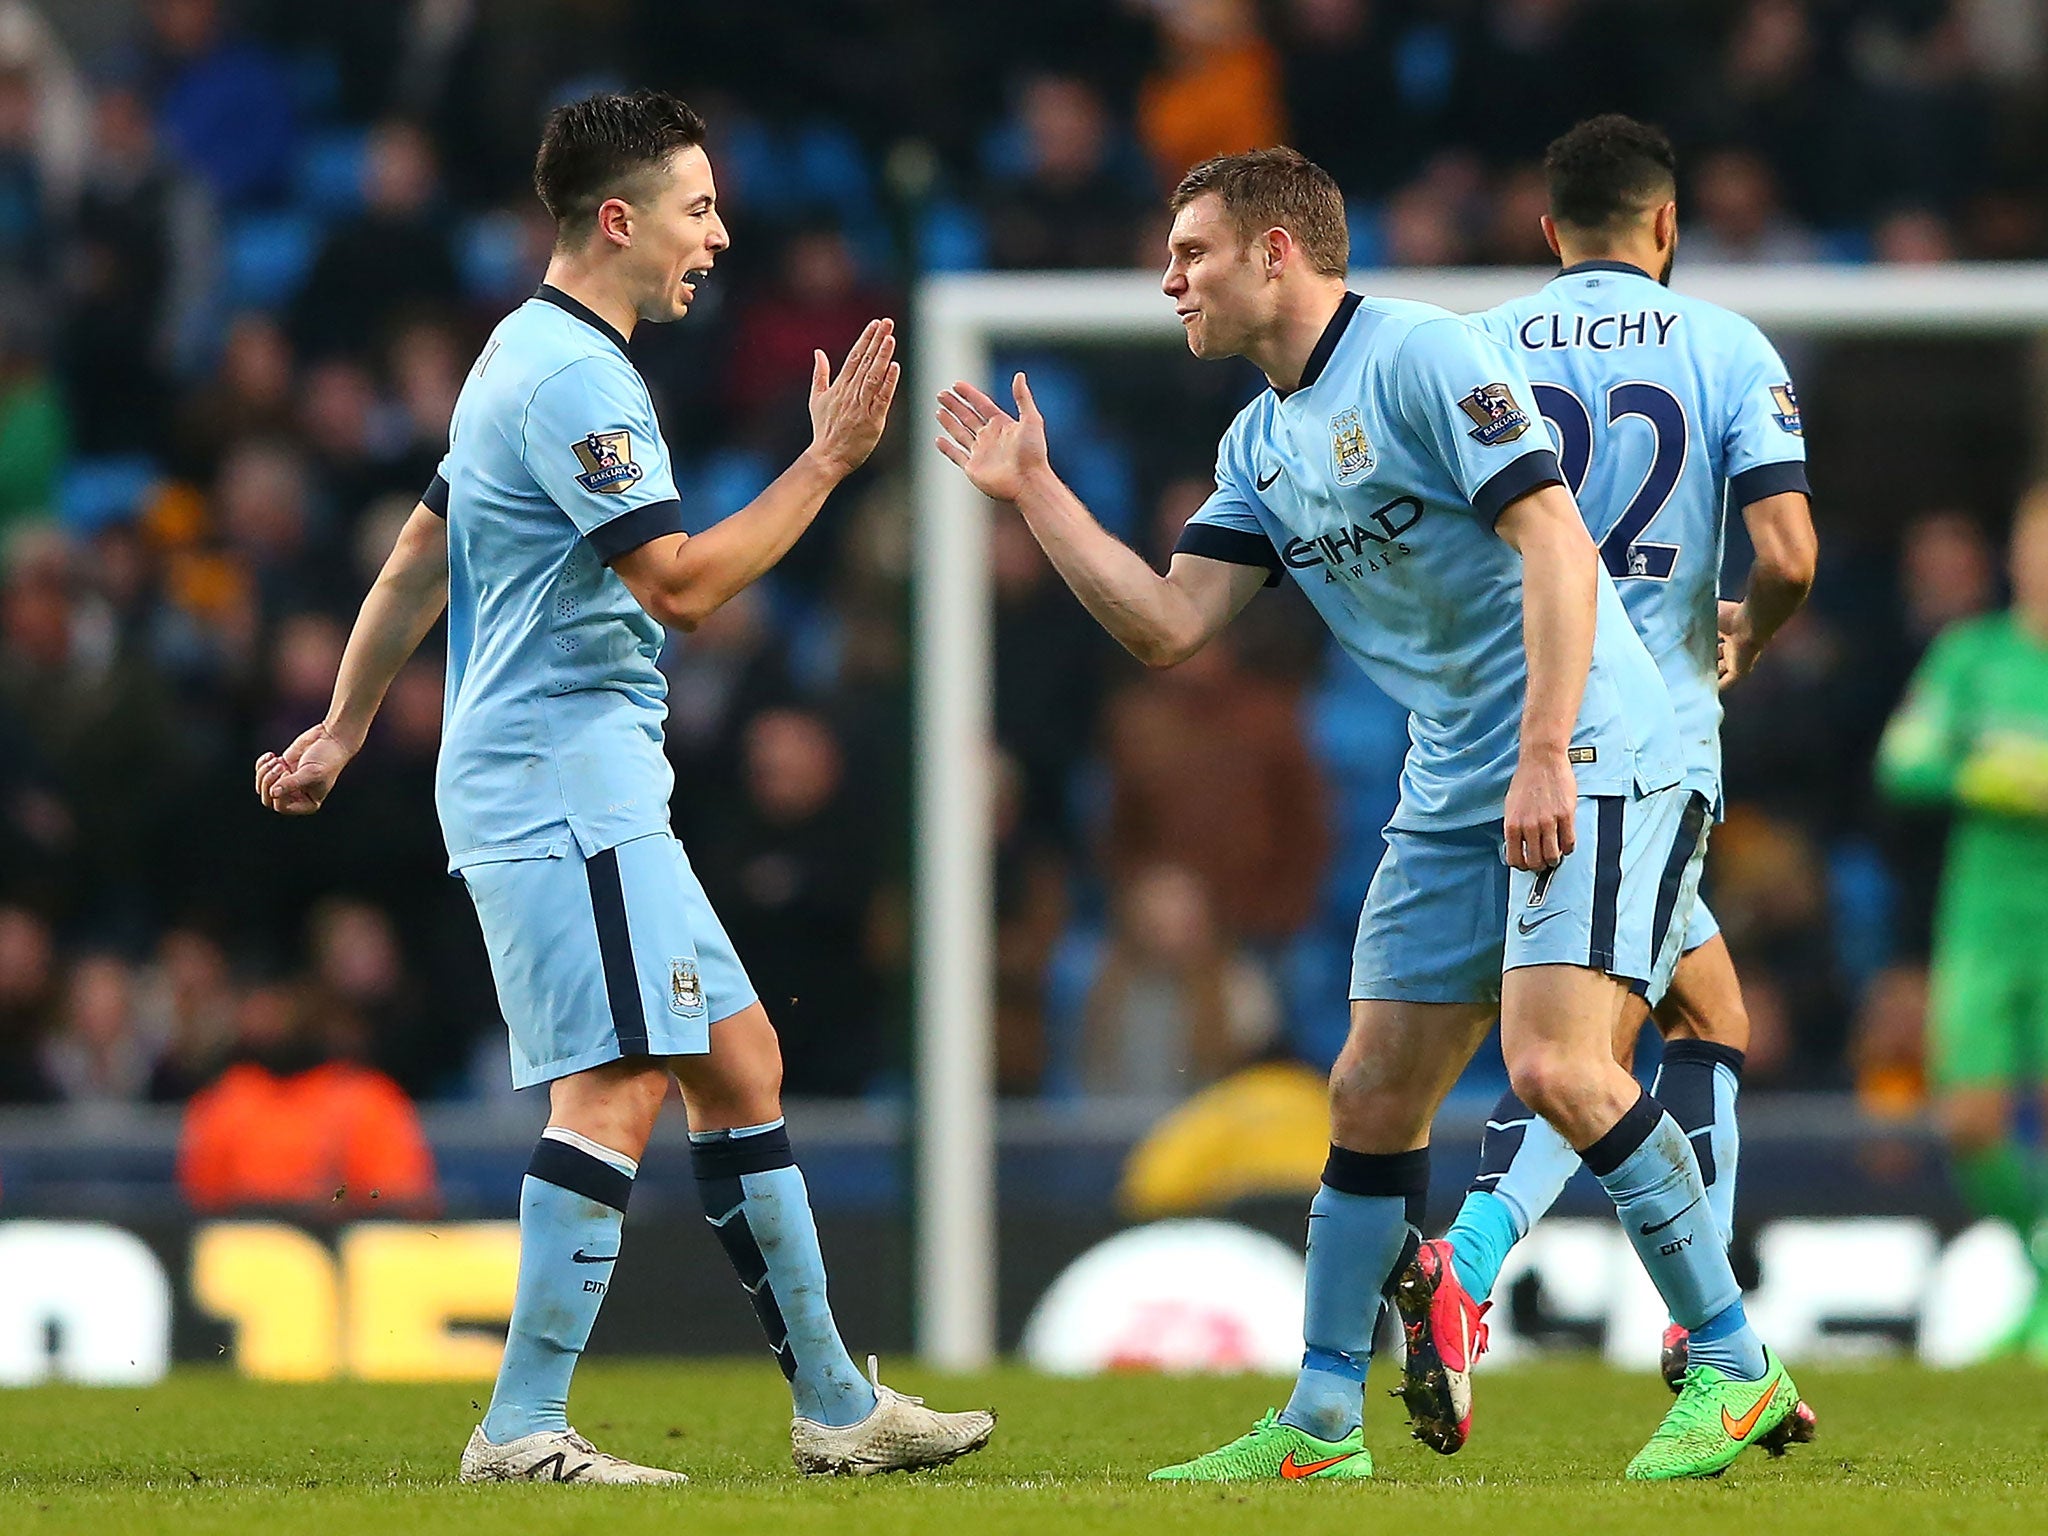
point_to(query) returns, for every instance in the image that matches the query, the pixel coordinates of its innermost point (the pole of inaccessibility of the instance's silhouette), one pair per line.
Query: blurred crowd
(247, 252)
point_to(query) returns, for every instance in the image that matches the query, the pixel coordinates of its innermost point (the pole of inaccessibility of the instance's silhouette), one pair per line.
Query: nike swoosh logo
(580, 1257)
(1290, 1468)
(1738, 1429)
(1523, 925)
(1650, 1231)
(1266, 484)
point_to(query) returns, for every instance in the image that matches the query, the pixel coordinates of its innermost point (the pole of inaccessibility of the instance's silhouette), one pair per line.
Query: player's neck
(1282, 354)
(589, 288)
(1647, 260)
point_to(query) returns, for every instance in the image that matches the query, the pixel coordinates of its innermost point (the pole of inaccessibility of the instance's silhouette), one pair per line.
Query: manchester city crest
(1350, 449)
(685, 987)
(607, 460)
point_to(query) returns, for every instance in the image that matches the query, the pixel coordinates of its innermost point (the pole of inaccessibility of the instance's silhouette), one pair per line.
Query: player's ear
(1550, 235)
(615, 221)
(1665, 226)
(1274, 246)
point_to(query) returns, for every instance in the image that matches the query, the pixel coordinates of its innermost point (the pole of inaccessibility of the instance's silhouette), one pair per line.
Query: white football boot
(901, 1435)
(552, 1456)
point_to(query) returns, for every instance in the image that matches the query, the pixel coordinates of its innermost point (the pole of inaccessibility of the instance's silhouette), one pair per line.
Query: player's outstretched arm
(682, 579)
(1560, 591)
(1787, 549)
(1161, 620)
(402, 605)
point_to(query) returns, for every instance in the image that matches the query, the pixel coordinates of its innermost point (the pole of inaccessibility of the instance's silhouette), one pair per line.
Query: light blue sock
(1647, 1166)
(754, 1198)
(572, 1207)
(1362, 1219)
(1524, 1166)
(1697, 1082)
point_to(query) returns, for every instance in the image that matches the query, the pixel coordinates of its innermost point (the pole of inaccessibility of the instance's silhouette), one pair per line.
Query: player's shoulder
(1975, 636)
(539, 341)
(1717, 328)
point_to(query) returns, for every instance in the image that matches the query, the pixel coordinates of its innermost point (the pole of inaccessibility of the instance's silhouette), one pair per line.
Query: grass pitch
(1900, 1450)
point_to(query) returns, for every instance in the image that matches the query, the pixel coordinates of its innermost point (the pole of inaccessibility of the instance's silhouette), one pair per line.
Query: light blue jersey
(1664, 408)
(1376, 484)
(552, 727)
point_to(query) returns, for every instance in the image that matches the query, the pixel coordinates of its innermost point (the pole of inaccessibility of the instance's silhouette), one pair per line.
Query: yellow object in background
(1262, 1131)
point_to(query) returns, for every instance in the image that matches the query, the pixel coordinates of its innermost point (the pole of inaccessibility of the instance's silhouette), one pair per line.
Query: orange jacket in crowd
(335, 1134)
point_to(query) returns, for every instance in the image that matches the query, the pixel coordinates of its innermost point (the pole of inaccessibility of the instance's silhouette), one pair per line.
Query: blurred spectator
(1032, 909)
(97, 1054)
(224, 103)
(249, 396)
(35, 430)
(289, 1124)
(1175, 1004)
(818, 304)
(187, 1002)
(389, 262)
(1947, 572)
(262, 501)
(426, 363)
(1733, 214)
(28, 987)
(140, 267)
(29, 47)
(359, 967)
(793, 874)
(1913, 237)
(730, 670)
(1071, 206)
(1216, 90)
(1208, 767)
(1052, 662)
(1770, 892)
(1514, 235)
(1886, 1051)
(25, 215)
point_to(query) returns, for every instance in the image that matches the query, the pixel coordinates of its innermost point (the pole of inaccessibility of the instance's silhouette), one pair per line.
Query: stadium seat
(97, 492)
(328, 181)
(951, 237)
(266, 258)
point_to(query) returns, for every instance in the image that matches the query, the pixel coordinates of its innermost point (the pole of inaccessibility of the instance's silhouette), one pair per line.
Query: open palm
(1000, 453)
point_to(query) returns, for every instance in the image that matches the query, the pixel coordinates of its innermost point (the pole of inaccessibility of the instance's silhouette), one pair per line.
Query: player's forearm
(1781, 575)
(710, 569)
(1142, 610)
(1560, 596)
(403, 604)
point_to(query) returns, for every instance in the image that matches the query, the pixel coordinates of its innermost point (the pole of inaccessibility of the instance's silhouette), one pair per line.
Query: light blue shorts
(618, 954)
(1445, 915)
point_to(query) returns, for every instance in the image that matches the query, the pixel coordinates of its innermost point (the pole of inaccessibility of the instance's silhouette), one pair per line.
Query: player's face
(1217, 283)
(677, 235)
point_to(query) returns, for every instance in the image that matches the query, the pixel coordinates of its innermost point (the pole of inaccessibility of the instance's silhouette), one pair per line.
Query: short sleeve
(435, 497)
(1467, 398)
(1764, 449)
(590, 439)
(1227, 526)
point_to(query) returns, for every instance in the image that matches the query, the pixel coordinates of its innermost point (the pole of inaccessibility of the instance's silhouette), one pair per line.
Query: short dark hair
(1279, 187)
(1607, 171)
(591, 148)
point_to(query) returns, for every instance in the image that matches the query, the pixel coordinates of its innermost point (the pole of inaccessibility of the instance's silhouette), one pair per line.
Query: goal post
(960, 319)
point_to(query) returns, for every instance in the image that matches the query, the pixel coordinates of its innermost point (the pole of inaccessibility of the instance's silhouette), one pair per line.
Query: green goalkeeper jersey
(1973, 734)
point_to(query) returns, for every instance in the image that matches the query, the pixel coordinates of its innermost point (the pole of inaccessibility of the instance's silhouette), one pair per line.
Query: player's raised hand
(1543, 799)
(296, 783)
(849, 412)
(999, 452)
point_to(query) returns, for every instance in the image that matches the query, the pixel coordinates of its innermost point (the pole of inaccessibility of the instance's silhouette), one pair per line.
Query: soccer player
(1666, 409)
(1972, 735)
(552, 535)
(1396, 472)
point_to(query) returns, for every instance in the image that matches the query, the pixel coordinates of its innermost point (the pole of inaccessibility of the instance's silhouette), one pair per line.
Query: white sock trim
(584, 1144)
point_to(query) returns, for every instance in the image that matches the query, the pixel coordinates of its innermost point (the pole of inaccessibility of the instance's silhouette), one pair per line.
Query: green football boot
(1714, 1420)
(1274, 1450)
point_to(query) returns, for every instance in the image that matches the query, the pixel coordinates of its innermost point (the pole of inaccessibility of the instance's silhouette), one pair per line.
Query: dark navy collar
(548, 293)
(1628, 267)
(1326, 344)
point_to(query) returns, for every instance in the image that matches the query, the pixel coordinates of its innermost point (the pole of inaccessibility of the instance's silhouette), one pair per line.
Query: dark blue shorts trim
(615, 949)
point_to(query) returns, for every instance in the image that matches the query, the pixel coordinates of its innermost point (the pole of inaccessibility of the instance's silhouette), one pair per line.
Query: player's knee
(1548, 1078)
(1975, 1120)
